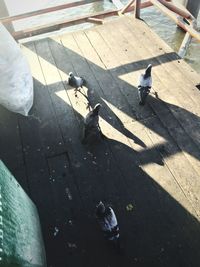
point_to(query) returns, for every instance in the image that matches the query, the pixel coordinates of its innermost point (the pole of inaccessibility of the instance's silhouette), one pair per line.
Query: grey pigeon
(145, 83)
(76, 81)
(108, 223)
(92, 129)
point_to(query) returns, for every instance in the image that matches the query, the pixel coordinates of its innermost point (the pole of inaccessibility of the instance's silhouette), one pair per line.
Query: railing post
(193, 6)
(4, 13)
(137, 9)
(185, 44)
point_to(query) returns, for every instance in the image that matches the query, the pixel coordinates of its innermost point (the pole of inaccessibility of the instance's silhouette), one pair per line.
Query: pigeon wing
(79, 81)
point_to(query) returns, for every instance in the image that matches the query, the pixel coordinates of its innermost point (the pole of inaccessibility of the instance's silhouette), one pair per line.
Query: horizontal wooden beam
(175, 9)
(54, 26)
(46, 10)
(95, 20)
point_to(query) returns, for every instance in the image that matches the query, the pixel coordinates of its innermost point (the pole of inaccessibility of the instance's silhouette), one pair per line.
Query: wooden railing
(48, 27)
(93, 18)
(185, 20)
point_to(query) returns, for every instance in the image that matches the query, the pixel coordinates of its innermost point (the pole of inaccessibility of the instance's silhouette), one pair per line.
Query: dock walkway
(150, 159)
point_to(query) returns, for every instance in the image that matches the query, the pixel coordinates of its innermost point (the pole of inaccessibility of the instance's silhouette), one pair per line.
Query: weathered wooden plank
(69, 212)
(34, 134)
(11, 149)
(184, 174)
(42, 100)
(38, 176)
(49, 130)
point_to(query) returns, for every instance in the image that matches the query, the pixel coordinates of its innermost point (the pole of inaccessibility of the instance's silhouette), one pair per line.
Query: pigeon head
(100, 208)
(71, 74)
(148, 71)
(96, 109)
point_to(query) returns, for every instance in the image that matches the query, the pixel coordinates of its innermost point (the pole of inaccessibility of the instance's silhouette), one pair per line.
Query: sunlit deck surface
(150, 158)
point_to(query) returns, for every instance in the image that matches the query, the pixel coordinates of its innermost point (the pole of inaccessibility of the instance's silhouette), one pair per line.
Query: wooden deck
(150, 159)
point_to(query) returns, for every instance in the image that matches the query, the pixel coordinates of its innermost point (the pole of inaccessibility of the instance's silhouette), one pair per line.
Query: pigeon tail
(84, 81)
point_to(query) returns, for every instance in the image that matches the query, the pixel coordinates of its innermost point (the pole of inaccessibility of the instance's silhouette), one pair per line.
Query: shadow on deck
(149, 158)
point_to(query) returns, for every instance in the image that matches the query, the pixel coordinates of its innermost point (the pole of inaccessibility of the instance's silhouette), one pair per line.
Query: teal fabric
(21, 242)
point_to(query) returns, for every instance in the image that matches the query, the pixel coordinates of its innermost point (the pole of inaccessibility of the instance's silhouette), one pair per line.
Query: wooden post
(4, 13)
(193, 6)
(185, 44)
(137, 9)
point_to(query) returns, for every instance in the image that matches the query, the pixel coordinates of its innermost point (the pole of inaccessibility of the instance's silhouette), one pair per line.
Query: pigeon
(108, 223)
(92, 129)
(145, 84)
(76, 81)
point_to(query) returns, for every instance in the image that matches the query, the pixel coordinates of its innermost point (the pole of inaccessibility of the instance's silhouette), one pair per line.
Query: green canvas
(21, 242)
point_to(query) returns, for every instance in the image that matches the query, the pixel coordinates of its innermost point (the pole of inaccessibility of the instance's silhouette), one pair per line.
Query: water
(161, 24)
(172, 35)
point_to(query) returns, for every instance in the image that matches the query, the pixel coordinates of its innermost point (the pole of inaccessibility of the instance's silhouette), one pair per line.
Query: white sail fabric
(16, 83)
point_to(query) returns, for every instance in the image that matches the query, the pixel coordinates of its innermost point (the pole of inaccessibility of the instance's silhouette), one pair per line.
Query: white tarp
(16, 83)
